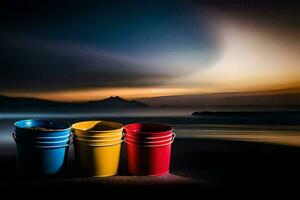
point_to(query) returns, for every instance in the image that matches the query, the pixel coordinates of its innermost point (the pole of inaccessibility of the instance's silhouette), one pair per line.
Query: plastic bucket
(40, 160)
(148, 129)
(97, 159)
(41, 129)
(42, 146)
(148, 160)
(97, 128)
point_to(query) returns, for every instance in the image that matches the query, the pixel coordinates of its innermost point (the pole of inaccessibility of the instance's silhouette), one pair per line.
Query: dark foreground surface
(199, 166)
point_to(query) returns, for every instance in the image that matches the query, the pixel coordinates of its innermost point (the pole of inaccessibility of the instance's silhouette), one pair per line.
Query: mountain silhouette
(11, 104)
(119, 102)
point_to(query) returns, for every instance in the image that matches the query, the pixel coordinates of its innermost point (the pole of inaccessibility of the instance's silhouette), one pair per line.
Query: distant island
(12, 104)
(279, 117)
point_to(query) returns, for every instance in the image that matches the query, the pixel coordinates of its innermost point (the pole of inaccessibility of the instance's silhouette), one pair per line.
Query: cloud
(37, 65)
(252, 57)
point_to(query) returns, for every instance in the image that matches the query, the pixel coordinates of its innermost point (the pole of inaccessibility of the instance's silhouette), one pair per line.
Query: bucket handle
(14, 136)
(70, 142)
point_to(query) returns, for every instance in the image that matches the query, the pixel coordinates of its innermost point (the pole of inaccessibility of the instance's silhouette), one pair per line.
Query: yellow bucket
(97, 159)
(97, 146)
(97, 128)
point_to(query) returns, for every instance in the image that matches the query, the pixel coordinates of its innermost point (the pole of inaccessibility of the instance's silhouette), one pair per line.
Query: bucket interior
(41, 125)
(97, 126)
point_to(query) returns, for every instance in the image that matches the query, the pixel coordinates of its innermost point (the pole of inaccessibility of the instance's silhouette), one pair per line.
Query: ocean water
(186, 126)
(157, 112)
(141, 112)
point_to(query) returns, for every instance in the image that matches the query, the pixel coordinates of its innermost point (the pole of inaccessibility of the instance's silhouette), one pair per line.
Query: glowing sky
(78, 53)
(252, 57)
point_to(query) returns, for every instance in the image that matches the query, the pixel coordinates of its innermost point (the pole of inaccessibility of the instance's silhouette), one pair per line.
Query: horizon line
(260, 92)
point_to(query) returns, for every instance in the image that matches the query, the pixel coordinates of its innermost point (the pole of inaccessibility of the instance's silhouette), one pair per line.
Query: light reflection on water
(286, 135)
(135, 112)
(112, 113)
(281, 137)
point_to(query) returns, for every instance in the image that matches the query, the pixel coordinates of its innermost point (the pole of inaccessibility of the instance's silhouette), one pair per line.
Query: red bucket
(148, 129)
(148, 160)
(148, 148)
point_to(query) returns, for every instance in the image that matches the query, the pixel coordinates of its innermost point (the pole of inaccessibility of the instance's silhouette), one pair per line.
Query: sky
(74, 51)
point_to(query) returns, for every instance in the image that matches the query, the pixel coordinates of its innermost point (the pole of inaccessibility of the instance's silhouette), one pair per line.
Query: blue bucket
(34, 129)
(41, 160)
(42, 146)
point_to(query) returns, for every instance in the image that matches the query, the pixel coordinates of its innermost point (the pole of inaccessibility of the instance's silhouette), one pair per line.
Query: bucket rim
(36, 142)
(112, 130)
(52, 147)
(150, 146)
(97, 145)
(171, 129)
(146, 143)
(98, 141)
(97, 136)
(149, 138)
(19, 122)
(45, 138)
(151, 142)
(46, 147)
